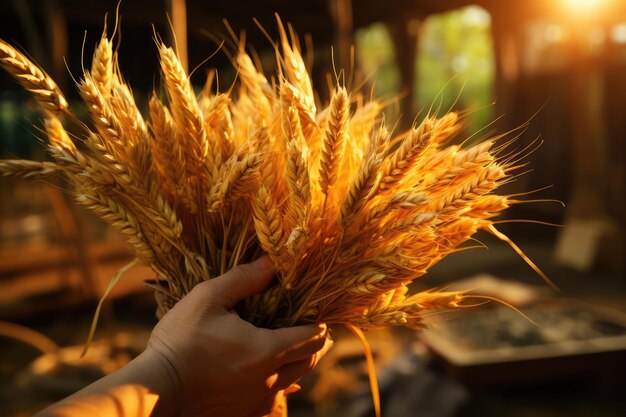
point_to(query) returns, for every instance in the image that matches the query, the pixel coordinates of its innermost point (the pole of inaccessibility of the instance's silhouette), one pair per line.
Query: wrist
(152, 370)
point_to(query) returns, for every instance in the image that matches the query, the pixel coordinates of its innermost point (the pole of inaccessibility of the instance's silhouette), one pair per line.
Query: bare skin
(204, 360)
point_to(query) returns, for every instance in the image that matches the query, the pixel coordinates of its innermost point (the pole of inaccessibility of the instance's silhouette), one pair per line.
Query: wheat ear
(267, 223)
(400, 162)
(102, 66)
(28, 170)
(32, 78)
(236, 183)
(186, 114)
(332, 147)
(118, 216)
(297, 173)
(168, 155)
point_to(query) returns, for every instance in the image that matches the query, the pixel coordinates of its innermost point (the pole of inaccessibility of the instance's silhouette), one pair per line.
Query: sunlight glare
(583, 6)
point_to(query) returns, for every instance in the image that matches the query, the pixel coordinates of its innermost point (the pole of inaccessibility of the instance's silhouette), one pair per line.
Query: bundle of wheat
(348, 213)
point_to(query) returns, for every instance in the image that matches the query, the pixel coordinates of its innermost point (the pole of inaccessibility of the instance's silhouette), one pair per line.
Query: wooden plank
(37, 255)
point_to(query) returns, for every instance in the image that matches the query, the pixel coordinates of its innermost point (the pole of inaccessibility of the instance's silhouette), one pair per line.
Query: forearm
(141, 388)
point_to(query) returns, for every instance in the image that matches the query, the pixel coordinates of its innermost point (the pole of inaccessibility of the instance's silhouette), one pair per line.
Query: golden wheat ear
(33, 79)
(102, 66)
(28, 170)
(336, 132)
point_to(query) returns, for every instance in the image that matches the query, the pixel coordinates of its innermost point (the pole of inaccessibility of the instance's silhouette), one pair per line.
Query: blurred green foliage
(454, 66)
(456, 60)
(376, 56)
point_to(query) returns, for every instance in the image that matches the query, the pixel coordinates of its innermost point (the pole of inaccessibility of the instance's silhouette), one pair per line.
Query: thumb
(240, 282)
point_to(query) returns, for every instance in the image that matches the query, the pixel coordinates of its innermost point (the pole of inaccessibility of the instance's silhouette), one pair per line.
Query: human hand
(221, 365)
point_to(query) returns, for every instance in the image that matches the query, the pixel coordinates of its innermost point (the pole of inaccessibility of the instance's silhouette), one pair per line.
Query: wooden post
(507, 52)
(341, 12)
(178, 15)
(57, 35)
(405, 32)
(588, 143)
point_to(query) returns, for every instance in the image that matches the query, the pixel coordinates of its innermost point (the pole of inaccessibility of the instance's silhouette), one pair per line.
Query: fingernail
(263, 263)
(293, 388)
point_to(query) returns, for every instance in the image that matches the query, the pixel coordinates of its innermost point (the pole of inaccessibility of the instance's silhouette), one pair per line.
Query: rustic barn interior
(550, 72)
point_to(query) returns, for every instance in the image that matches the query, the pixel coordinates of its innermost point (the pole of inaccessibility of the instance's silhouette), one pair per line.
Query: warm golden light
(583, 6)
